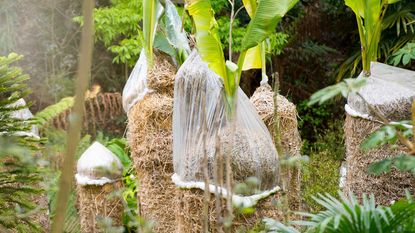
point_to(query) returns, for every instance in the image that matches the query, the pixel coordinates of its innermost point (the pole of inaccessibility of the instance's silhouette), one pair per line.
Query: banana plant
(175, 42)
(255, 58)
(265, 16)
(152, 10)
(369, 16)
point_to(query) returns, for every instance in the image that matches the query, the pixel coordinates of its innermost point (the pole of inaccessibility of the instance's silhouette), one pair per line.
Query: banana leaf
(175, 35)
(152, 10)
(253, 55)
(207, 37)
(267, 15)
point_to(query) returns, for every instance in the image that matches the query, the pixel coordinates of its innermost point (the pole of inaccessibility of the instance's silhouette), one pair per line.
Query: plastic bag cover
(389, 89)
(136, 87)
(199, 114)
(24, 114)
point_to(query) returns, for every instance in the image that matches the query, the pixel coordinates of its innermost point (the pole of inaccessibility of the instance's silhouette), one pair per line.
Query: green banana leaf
(175, 35)
(253, 59)
(253, 55)
(207, 37)
(152, 10)
(267, 15)
(250, 6)
(369, 15)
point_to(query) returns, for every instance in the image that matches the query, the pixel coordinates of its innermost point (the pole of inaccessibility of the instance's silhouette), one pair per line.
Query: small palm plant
(349, 216)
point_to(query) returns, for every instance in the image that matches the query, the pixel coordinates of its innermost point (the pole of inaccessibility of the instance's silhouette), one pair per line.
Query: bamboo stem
(84, 73)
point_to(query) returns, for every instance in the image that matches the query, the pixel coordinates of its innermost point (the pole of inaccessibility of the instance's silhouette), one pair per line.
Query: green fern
(54, 110)
(348, 215)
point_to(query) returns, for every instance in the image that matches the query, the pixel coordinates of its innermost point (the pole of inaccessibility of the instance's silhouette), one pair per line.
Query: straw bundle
(290, 136)
(190, 217)
(387, 187)
(252, 156)
(150, 140)
(391, 91)
(98, 176)
(94, 202)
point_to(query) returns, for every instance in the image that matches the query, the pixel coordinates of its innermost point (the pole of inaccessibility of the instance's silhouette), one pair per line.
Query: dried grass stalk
(94, 202)
(190, 216)
(387, 187)
(251, 155)
(263, 101)
(160, 77)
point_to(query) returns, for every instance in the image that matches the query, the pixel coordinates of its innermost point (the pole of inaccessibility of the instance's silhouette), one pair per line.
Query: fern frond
(52, 111)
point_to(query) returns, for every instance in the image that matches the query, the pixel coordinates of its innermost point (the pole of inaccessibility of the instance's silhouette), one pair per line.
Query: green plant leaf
(265, 20)
(250, 6)
(344, 88)
(54, 110)
(152, 10)
(175, 35)
(253, 58)
(356, 6)
(207, 38)
(161, 43)
(375, 139)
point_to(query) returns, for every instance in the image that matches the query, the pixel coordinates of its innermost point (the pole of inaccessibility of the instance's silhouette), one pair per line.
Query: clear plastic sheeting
(98, 166)
(389, 89)
(136, 87)
(24, 114)
(199, 117)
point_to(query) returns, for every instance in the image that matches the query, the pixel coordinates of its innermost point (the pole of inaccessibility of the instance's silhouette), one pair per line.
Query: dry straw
(190, 216)
(98, 177)
(150, 139)
(387, 187)
(250, 158)
(389, 92)
(263, 101)
(95, 202)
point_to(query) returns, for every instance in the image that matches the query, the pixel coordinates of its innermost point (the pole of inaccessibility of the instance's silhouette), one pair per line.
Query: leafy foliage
(387, 134)
(348, 215)
(54, 110)
(264, 21)
(344, 88)
(19, 178)
(12, 88)
(404, 55)
(207, 37)
(326, 153)
(396, 32)
(404, 163)
(117, 26)
(20, 172)
(152, 10)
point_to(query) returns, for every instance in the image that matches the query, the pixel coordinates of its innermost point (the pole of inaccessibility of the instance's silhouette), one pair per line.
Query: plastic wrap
(98, 166)
(24, 114)
(389, 89)
(199, 116)
(136, 87)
